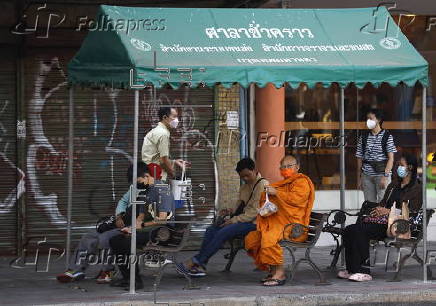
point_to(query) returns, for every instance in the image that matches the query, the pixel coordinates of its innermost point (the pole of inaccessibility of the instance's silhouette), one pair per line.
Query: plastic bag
(268, 208)
(180, 189)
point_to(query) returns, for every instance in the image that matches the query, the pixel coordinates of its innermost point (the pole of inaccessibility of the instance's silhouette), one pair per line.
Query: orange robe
(294, 199)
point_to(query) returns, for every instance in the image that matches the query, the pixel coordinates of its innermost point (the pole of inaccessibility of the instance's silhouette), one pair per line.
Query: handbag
(377, 166)
(365, 214)
(181, 189)
(268, 207)
(398, 222)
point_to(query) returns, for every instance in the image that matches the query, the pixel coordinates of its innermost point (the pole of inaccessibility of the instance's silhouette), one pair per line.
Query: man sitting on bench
(293, 197)
(232, 222)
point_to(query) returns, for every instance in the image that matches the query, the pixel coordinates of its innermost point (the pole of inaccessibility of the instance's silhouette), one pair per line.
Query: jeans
(371, 187)
(215, 237)
(91, 243)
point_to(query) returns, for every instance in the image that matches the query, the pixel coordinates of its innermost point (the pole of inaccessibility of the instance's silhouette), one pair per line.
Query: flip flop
(267, 278)
(277, 282)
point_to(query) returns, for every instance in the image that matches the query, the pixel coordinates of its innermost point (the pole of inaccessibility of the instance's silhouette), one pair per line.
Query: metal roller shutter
(193, 141)
(11, 178)
(103, 146)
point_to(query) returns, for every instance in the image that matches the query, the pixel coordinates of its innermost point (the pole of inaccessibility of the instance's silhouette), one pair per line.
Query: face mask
(142, 186)
(371, 124)
(174, 123)
(286, 173)
(402, 171)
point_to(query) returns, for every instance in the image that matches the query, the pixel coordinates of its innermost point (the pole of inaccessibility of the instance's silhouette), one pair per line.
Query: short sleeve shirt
(374, 151)
(156, 145)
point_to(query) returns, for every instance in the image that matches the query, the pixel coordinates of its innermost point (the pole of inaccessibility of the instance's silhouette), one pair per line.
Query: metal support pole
(424, 178)
(243, 121)
(21, 150)
(70, 172)
(342, 160)
(252, 120)
(132, 259)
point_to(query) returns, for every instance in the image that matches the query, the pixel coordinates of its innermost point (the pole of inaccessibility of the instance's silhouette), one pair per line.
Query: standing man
(156, 146)
(375, 158)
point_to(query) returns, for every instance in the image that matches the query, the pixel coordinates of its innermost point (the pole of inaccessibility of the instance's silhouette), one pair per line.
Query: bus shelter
(133, 47)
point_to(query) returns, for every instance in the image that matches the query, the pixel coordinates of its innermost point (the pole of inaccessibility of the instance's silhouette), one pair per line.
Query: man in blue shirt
(95, 242)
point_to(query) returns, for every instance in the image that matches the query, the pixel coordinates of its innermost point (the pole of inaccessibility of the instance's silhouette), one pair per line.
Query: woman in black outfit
(405, 188)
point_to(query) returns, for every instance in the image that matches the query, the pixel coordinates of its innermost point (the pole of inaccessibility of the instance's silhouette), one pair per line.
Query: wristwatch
(386, 174)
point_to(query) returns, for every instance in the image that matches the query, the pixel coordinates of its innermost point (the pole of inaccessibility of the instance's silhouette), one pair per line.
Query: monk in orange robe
(294, 197)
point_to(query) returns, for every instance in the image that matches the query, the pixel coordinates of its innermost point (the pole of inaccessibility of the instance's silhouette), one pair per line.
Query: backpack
(384, 141)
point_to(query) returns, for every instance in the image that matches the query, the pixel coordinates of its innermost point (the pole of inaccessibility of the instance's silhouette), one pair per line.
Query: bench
(236, 244)
(411, 244)
(295, 230)
(163, 247)
(335, 226)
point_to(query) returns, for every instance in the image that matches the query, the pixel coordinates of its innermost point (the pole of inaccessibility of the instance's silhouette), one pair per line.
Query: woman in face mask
(405, 188)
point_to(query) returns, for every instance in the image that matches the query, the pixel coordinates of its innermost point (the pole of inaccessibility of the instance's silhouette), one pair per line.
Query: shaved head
(289, 159)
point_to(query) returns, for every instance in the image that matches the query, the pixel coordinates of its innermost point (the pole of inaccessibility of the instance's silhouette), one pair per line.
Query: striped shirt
(374, 151)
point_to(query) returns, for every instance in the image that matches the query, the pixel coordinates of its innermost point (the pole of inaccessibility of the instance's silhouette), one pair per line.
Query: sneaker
(70, 276)
(360, 277)
(344, 274)
(194, 271)
(105, 277)
(155, 260)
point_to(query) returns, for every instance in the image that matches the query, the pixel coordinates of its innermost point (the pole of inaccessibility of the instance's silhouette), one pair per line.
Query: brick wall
(227, 151)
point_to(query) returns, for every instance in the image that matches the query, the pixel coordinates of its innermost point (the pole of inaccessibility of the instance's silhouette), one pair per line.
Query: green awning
(133, 46)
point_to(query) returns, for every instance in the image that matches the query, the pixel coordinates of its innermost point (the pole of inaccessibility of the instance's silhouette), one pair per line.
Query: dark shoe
(275, 282)
(138, 285)
(119, 283)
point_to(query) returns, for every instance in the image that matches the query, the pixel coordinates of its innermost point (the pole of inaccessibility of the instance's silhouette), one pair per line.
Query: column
(270, 130)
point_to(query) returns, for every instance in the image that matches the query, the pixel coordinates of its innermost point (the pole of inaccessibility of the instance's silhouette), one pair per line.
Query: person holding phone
(232, 221)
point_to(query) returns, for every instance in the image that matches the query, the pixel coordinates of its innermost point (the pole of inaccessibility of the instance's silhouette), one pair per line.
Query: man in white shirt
(156, 146)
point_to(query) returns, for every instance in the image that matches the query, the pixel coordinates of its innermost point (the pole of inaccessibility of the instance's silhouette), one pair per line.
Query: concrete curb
(427, 297)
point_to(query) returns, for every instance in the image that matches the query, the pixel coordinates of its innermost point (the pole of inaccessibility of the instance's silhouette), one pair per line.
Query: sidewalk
(240, 287)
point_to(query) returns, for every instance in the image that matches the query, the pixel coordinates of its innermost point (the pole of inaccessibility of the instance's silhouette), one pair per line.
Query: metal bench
(295, 230)
(411, 244)
(236, 244)
(165, 243)
(335, 226)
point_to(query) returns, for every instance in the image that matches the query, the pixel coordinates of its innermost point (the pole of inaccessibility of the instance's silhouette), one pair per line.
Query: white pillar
(70, 172)
(133, 196)
(424, 178)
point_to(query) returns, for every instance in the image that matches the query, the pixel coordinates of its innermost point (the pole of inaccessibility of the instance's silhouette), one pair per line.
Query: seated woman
(357, 236)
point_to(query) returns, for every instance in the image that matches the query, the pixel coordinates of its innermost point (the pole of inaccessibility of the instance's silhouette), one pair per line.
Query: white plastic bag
(181, 189)
(268, 208)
